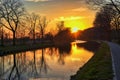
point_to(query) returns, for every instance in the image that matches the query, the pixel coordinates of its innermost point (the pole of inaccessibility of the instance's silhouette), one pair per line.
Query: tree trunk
(2, 42)
(2, 37)
(14, 39)
(42, 37)
(34, 37)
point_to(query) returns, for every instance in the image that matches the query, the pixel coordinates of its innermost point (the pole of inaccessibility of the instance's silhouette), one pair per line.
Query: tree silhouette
(60, 26)
(99, 3)
(103, 21)
(32, 21)
(2, 35)
(43, 22)
(110, 18)
(104, 17)
(11, 11)
(64, 37)
(116, 5)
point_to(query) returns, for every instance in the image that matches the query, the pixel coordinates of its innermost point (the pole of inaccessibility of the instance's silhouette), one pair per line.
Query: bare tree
(103, 21)
(115, 26)
(43, 22)
(108, 14)
(21, 31)
(11, 11)
(116, 18)
(60, 26)
(32, 21)
(100, 3)
(116, 4)
(104, 17)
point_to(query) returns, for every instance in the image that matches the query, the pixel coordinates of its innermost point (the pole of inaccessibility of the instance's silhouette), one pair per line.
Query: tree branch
(115, 6)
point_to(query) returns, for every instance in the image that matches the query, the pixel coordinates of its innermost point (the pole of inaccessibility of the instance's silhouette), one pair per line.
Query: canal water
(54, 63)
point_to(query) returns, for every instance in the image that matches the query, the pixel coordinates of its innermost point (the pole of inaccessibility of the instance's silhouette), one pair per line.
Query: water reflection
(44, 64)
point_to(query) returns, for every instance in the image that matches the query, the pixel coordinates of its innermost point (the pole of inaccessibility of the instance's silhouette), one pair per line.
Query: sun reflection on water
(78, 53)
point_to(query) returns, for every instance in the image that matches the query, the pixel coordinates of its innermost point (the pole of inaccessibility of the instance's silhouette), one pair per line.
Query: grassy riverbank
(99, 66)
(20, 48)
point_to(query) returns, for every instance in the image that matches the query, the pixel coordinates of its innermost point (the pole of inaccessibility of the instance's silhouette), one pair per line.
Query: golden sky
(75, 13)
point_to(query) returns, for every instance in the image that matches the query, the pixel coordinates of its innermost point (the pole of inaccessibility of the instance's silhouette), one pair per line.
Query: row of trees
(11, 13)
(108, 16)
(15, 18)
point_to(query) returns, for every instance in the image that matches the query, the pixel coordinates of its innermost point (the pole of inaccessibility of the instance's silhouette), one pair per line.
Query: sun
(75, 25)
(74, 29)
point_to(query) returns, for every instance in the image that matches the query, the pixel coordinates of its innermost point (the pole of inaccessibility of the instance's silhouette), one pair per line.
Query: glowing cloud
(79, 9)
(69, 18)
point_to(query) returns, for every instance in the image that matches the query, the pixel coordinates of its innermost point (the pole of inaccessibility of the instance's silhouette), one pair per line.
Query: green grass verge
(99, 67)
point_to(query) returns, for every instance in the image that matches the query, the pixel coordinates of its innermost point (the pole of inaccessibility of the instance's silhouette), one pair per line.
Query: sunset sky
(75, 13)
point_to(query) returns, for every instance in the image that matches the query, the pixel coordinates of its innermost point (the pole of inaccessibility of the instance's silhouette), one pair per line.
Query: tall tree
(11, 12)
(103, 21)
(43, 22)
(22, 30)
(32, 21)
(109, 14)
(104, 17)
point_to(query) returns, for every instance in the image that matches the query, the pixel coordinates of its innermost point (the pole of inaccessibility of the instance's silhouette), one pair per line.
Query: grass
(99, 67)
(20, 48)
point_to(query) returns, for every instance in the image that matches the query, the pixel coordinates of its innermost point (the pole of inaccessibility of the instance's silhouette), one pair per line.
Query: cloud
(79, 9)
(69, 18)
(37, 0)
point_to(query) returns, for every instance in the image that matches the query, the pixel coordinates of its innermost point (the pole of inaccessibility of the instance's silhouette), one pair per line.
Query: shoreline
(99, 67)
(7, 50)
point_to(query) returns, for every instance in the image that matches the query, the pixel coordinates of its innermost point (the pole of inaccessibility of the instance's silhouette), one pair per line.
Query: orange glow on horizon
(76, 25)
(78, 22)
(76, 13)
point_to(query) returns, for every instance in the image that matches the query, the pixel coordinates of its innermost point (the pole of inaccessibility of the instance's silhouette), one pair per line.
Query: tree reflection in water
(63, 52)
(15, 67)
(39, 63)
(1, 66)
(43, 63)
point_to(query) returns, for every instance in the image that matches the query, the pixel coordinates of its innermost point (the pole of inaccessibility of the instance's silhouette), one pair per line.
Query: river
(53, 63)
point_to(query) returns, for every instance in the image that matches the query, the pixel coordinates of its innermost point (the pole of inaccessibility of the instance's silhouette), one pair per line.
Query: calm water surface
(44, 64)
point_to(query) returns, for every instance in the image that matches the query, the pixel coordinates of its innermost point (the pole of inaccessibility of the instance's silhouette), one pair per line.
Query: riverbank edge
(99, 67)
(6, 50)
